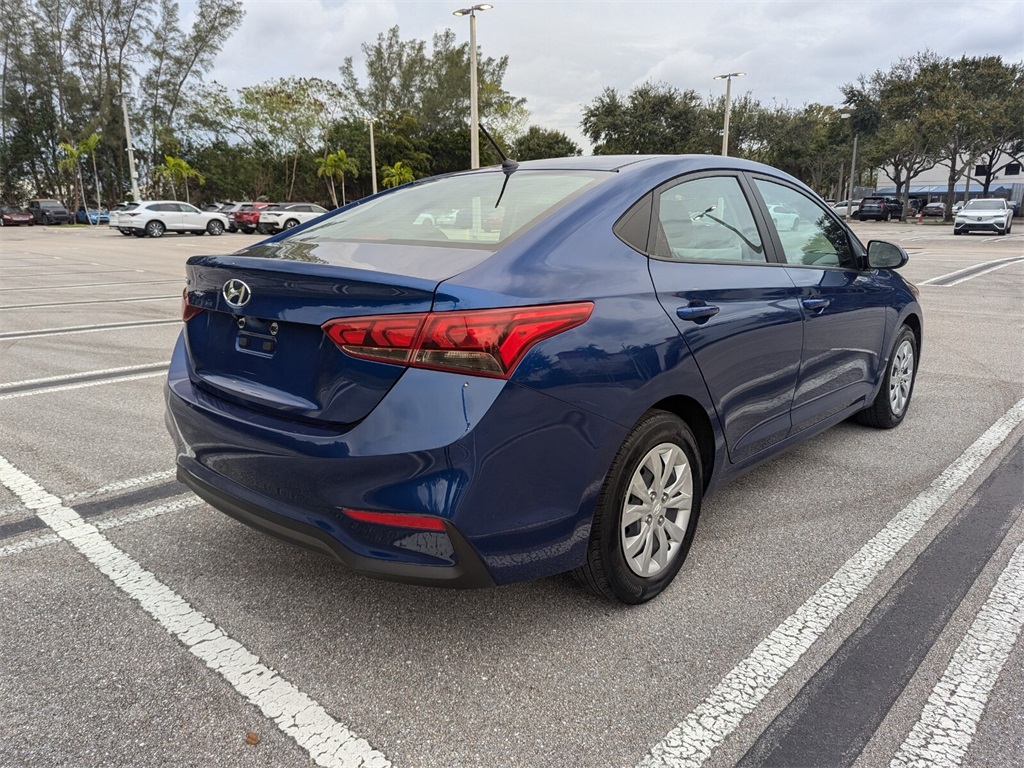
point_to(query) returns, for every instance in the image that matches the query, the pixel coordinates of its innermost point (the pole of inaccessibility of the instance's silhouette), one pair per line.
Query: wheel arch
(699, 422)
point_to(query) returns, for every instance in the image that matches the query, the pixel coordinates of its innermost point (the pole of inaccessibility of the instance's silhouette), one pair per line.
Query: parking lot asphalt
(141, 627)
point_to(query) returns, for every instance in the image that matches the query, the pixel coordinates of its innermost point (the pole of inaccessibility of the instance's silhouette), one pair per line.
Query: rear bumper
(468, 572)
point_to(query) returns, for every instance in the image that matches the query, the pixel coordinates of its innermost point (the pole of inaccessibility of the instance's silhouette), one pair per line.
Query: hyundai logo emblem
(236, 293)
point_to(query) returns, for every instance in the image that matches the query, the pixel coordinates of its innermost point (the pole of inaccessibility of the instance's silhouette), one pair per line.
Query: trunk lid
(265, 349)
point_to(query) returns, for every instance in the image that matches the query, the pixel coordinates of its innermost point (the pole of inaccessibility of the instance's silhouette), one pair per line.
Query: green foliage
(538, 143)
(395, 175)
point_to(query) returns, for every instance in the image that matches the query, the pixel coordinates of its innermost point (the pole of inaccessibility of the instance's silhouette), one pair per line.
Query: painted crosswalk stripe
(691, 742)
(328, 742)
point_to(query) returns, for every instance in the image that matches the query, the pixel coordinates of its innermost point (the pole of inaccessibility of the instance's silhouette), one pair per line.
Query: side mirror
(884, 255)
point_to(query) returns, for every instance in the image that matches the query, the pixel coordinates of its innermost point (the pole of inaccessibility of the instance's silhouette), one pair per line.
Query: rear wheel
(647, 512)
(155, 228)
(893, 399)
(290, 223)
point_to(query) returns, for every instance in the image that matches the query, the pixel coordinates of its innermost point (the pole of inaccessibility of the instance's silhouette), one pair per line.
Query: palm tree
(70, 163)
(394, 175)
(335, 166)
(175, 168)
(88, 147)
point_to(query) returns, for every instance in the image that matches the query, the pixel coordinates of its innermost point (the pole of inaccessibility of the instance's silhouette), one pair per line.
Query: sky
(564, 53)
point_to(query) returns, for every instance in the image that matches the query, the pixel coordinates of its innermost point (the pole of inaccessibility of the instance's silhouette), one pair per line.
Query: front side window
(478, 209)
(706, 219)
(808, 233)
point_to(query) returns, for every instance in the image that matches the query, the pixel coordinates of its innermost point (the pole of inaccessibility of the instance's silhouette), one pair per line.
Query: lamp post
(474, 117)
(728, 107)
(373, 155)
(131, 152)
(853, 169)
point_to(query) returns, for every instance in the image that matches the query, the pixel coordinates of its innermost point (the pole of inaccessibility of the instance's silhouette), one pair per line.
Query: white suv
(985, 214)
(159, 216)
(287, 215)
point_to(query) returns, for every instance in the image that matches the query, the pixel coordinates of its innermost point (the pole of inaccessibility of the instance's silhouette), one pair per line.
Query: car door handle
(815, 304)
(697, 312)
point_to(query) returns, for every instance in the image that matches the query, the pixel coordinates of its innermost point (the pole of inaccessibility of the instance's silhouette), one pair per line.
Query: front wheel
(647, 512)
(215, 227)
(893, 399)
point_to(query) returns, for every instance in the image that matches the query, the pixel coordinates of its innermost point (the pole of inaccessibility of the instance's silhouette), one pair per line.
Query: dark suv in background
(49, 212)
(880, 208)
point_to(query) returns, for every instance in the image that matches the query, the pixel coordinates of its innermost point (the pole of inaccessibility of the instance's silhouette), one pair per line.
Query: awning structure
(941, 189)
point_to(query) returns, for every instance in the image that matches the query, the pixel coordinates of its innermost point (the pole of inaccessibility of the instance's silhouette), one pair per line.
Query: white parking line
(105, 525)
(80, 385)
(122, 485)
(84, 329)
(950, 718)
(328, 742)
(718, 715)
(71, 376)
(993, 266)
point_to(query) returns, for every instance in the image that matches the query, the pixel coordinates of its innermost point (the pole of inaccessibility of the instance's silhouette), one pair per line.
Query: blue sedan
(92, 216)
(551, 379)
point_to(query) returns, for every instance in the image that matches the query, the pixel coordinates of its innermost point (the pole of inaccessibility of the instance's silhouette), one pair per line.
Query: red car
(247, 218)
(14, 217)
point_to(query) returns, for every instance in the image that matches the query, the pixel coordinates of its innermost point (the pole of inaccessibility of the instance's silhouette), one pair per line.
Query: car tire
(1009, 227)
(796, 224)
(215, 227)
(155, 228)
(887, 217)
(893, 398)
(126, 232)
(247, 230)
(290, 223)
(636, 545)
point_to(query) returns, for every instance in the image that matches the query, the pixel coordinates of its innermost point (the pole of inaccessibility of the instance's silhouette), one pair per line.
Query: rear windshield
(479, 209)
(986, 205)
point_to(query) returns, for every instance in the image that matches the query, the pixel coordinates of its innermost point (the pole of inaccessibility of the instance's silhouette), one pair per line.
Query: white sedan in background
(287, 215)
(155, 217)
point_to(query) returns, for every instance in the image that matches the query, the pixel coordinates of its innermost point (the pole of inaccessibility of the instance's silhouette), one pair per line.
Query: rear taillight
(188, 310)
(485, 342)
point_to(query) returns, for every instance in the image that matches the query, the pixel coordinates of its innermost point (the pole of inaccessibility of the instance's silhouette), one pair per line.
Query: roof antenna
(507, 166)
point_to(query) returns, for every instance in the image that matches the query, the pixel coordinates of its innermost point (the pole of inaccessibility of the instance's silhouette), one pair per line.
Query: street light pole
(474, 116)
(131, 151)
(373, 155)
(728, 107)
(853, 168)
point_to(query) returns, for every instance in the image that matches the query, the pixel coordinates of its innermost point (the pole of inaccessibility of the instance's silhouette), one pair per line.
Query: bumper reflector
(396, 519)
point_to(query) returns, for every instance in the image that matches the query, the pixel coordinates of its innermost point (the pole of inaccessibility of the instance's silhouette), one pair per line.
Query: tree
(70, 164)
(335, 166)
(395, 175)
(539, 143)
(655, 118)
(88, 147)
(175, 169)
(905, 139)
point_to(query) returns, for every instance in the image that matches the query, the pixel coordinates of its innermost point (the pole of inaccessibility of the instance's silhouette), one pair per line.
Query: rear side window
(480, 209)
(706, 219)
